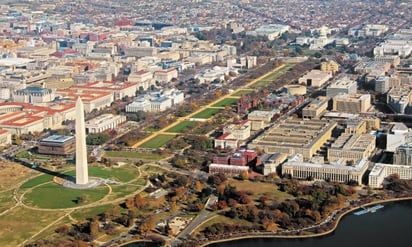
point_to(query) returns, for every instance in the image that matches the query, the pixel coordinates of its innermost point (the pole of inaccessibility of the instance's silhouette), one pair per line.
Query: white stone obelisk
(82, 175)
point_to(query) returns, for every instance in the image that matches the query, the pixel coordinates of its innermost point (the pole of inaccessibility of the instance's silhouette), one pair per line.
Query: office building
(57, 145)
(380, 171)
(341, 86)
(352, 147)
(316, 108)
(335, 172)
(294, 136)
(316, 78)
(352, 103)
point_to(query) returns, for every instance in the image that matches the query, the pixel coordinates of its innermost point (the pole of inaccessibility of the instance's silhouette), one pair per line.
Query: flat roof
(57, 138)
(14, 61)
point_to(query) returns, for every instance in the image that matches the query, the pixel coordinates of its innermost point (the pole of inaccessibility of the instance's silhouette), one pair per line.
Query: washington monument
(82, 176)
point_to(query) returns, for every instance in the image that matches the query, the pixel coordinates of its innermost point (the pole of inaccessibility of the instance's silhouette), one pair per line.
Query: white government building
(104, 122)
(335, 172)
(156, 101)
(380, 171)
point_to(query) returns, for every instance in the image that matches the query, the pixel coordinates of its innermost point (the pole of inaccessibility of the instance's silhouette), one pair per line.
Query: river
(389, 226)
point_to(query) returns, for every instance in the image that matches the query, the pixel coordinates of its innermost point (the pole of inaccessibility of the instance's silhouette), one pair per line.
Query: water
(389, 226)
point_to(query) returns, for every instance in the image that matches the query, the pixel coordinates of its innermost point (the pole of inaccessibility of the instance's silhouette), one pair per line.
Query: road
(181, 119)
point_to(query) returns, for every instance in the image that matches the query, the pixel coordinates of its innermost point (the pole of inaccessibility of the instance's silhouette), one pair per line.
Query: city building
(316, 78)
(351, 147)
(22, 118)
(351, 103)
(393, 60)
(233, 134)
(382, 84)
(403, 155)
(292, 136)
(380, 171)
(330, 65)
(271, 162)
(104, 122)
(33, 95)
(271, 31)
(257, 115)
(165, 75)
(119, 90)
(315, 108)
(367, 30)
(399, 98)
(57, 145)
(156, 101)
(5, 137)
(295, 89)
(143, 79)
(343, 85)
(397, 136)
(335, 172)
(228, 170)
(92, 98)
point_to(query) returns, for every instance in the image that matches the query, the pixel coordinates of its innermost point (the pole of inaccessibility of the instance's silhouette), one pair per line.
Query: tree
(139, 201)
(82, 199)
(94, 228)
(147, 225)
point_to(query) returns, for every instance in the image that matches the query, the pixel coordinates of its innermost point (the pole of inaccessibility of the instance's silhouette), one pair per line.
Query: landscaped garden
(226, 102)
(207, 113)
(157, 141)
(181, 127)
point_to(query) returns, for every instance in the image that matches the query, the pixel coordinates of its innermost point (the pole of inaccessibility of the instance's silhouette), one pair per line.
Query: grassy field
(207, 113)
(242, 92)
(134, 155)
(81, 214)
(37, 181)
(21, 223)
(27, 155)
(181, 127)
(6, 200)
(52, 195)
(225, 102)
(153, 169)
(258, 189)
(123, 190)
(12, 174)
(272, 77)
(157, 141)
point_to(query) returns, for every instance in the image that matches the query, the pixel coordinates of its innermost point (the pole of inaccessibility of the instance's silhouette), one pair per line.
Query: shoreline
(314, 235)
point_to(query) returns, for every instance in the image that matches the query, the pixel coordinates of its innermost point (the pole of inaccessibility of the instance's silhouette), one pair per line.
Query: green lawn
(272, 77)
(134, 155)
(157, 141)
(21, 223)
(242, 92)
(52, 195)
(259, 188)
(6, 200)
(36, 181)
(207, 113)
(225, 102)
(26, 155)
(81, 214)
(181, 127)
